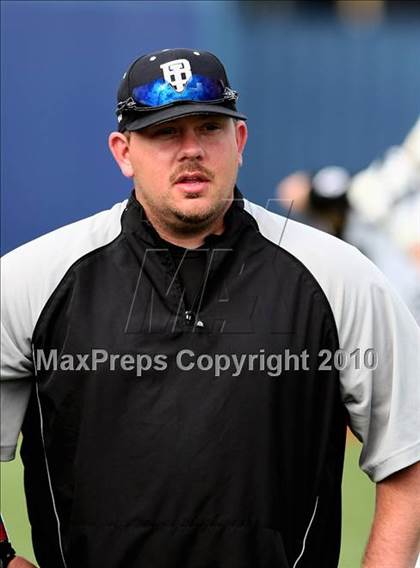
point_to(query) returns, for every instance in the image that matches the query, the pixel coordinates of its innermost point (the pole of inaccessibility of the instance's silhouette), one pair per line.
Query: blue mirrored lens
(159, 93)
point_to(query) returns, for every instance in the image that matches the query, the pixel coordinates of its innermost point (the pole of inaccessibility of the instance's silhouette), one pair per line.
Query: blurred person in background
(322, 201)
(387, 194)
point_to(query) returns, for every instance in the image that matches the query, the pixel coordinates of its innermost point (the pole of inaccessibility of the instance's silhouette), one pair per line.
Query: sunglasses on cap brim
(160, 94)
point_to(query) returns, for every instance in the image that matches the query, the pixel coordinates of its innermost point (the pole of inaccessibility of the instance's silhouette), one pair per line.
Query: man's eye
(162, 132)
(210, 126)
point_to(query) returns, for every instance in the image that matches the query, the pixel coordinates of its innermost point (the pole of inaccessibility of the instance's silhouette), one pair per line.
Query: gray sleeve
(383, 395)
(29, 275)
(16, 368)
(14, 396)
(383, 400)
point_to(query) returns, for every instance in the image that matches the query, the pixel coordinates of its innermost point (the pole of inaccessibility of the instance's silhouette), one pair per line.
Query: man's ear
(241, 138)
(120, 149)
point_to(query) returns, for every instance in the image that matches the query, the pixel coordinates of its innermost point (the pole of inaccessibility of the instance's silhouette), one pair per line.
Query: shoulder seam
(307, 272)
(77, 262)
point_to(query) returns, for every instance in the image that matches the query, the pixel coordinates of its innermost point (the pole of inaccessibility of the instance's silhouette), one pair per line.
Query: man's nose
(190, 146)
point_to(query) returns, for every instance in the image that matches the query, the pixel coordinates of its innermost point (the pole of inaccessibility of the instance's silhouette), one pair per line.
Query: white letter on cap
(177, 73)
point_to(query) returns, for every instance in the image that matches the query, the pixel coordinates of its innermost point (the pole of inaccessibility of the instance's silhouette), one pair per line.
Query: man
(185, 363)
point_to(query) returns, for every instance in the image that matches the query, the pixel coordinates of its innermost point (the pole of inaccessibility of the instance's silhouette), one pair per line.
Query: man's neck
(185, 240)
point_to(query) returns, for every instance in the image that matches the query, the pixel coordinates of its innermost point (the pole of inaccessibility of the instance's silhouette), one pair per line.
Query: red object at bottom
(3, 532)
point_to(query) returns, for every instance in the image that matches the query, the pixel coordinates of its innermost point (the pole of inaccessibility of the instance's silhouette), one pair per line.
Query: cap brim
(179, 111)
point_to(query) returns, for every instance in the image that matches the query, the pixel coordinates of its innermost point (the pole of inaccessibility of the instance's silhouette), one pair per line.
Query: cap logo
(177, 73)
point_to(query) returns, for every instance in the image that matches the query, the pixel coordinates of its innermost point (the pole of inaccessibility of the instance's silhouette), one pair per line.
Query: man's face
(185, 170)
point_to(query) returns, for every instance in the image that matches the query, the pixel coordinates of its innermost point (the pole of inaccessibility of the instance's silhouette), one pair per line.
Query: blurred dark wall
(316, 90)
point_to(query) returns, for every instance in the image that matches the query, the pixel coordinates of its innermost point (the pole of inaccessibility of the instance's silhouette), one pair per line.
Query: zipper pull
(190, 318)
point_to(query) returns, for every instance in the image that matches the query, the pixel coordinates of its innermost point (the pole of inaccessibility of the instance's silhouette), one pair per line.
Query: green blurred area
(13, 507)
(358, 507)
(358, 503)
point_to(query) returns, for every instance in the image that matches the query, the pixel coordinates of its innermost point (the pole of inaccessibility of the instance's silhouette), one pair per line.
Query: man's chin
(195, 218)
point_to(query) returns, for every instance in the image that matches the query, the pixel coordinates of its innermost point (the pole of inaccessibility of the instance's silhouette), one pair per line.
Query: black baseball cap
(172, 83)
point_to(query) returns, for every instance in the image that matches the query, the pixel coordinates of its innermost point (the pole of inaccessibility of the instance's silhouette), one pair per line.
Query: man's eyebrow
(163, 125)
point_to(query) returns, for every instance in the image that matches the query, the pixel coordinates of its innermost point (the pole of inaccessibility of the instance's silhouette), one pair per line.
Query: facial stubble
(178, 221)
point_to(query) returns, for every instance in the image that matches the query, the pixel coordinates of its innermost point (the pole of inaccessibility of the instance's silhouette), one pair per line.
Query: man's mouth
(192, 182)
(192, 178)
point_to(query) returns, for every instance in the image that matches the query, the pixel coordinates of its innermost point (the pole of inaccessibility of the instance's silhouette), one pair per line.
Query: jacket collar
(135, 221)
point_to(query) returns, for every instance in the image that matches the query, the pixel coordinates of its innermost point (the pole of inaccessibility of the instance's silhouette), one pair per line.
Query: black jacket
(172, 467)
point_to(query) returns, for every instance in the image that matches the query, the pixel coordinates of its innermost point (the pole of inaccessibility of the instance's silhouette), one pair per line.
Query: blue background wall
(316, 90)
